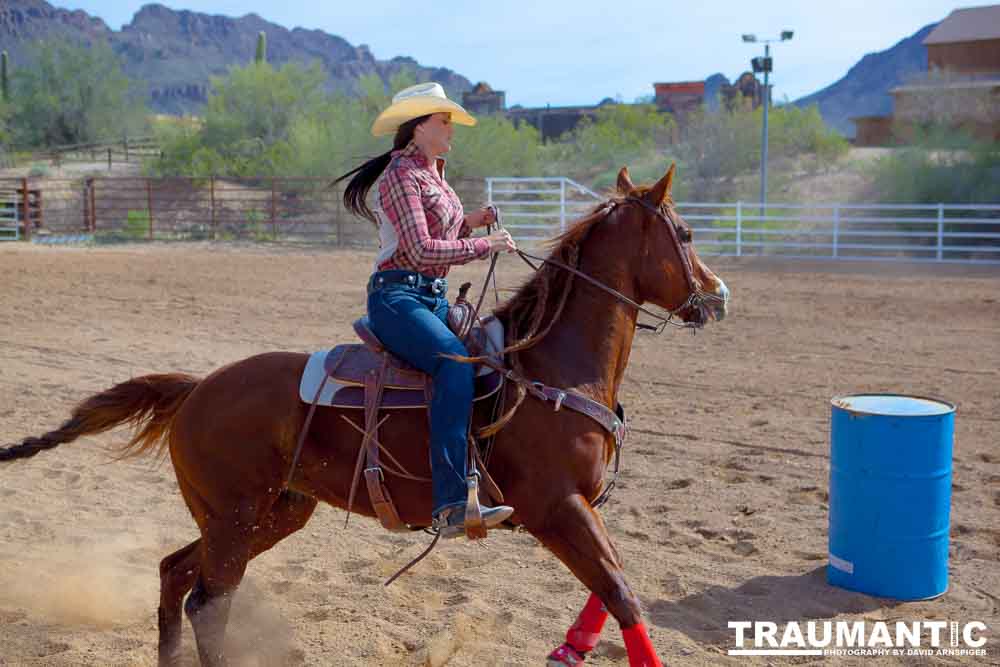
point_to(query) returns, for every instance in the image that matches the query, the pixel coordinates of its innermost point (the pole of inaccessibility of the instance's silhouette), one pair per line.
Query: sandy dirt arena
(721, 514)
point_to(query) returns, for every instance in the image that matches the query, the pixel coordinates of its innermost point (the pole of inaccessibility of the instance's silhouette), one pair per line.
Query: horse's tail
(148, 404)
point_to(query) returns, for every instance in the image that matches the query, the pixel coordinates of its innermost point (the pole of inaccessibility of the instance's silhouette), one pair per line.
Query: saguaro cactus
(4, 81)
(261, 56)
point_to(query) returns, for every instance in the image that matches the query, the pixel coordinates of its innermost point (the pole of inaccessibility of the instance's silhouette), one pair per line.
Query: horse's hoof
(564, 656)
(172, 660)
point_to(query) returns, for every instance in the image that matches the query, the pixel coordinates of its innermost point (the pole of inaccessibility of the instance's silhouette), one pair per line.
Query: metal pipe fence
(213, 208)
(536, 209)
(311, 210)
(966, 233)
(10, 229)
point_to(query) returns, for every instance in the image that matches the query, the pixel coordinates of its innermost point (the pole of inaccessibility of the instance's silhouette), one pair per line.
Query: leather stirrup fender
(374, 479)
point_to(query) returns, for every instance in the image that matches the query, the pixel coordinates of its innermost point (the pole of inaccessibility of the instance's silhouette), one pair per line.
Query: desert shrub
(941, 165)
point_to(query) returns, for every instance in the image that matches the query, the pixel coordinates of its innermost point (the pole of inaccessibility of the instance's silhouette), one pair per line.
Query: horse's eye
(684, 234)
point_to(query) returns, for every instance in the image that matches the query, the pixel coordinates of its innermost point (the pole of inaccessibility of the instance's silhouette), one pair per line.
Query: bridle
(698, 298)
(612, 421)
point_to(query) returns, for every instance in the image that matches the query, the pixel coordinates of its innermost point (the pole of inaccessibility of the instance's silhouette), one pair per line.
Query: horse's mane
(518, 312)
(521, 308)
(542, 298)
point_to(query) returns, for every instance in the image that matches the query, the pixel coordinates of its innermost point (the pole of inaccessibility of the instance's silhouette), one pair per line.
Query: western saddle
(377, 372)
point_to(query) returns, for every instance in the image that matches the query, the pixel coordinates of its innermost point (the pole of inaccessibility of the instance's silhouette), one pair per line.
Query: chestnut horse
(232, 435)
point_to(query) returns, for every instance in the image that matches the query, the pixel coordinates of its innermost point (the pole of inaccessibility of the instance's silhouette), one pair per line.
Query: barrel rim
(834, 402)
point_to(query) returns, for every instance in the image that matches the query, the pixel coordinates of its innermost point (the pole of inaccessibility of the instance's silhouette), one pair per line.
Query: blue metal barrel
(890, 495)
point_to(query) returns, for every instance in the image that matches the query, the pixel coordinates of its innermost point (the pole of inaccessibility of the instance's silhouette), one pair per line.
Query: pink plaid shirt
(427, 230)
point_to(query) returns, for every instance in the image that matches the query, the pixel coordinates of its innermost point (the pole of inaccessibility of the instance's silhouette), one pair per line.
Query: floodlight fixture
(765, 65)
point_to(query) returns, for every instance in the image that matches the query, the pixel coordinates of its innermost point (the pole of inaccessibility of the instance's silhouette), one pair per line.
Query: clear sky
(565, 52)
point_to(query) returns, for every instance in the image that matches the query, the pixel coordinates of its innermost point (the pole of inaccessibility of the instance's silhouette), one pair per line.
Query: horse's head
(669, 272)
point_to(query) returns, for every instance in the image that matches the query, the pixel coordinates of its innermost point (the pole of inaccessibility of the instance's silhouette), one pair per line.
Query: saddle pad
(339, 395)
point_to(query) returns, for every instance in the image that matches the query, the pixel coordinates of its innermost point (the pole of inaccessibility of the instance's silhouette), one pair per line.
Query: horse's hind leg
(222, 568)
(574, 532)
(178, 572)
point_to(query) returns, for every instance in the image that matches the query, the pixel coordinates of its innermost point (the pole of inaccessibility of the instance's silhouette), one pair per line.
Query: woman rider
(422, 233)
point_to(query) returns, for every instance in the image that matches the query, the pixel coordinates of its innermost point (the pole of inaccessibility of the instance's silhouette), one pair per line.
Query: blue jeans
(411, 323)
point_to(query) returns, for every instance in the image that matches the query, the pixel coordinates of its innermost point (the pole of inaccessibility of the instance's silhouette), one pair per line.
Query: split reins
(697, 297)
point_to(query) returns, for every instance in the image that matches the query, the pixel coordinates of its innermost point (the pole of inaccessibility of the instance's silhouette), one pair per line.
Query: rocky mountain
(864, 90)
(175, 52)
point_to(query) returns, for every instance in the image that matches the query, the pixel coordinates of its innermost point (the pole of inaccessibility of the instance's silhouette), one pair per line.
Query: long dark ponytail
(368, 172)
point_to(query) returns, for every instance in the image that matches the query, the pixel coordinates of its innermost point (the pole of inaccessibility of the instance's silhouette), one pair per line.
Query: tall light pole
(765, 65)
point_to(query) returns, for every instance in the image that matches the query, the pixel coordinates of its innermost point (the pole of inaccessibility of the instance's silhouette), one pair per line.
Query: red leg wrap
(586, 632)
(564, 656)
(640, 649)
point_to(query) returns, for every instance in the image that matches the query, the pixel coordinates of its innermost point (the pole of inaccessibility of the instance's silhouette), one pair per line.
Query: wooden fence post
(211, 191)
(149, 206)
(86, 204)
(93, 206)
(27, 209)
(274, 220)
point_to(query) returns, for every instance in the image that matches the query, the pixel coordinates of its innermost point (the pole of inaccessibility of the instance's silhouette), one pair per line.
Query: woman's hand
(501, 242)
(480, 217)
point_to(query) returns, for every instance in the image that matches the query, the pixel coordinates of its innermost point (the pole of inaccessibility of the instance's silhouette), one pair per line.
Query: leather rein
(613, 421)
(697, 297)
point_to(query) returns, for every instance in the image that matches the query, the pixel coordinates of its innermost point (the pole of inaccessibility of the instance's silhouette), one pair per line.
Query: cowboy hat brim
(389, 120)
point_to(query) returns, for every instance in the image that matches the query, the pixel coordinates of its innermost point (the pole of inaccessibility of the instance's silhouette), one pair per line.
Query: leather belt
(412, 279)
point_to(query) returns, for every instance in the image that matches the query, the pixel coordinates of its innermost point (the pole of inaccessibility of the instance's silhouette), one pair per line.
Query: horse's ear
(659, 192)
(624, 182)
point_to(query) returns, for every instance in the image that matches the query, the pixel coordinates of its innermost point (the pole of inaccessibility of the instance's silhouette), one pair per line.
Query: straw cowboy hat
(419, 100)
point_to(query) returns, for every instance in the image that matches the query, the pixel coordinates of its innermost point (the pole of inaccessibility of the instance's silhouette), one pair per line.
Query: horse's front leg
(575, 533)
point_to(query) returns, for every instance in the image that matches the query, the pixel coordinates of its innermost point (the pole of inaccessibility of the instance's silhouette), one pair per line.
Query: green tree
(247, 125)
(337, 136)
(258, 103)
(73, 94)
(619, 134)
(494, 147)
(718, 147)
(794, 131)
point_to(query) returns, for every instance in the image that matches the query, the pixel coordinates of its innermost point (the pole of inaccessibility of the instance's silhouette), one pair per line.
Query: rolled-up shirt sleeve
(399, 197)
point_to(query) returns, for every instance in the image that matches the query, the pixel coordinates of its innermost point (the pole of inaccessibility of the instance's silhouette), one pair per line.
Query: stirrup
(450, 523)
